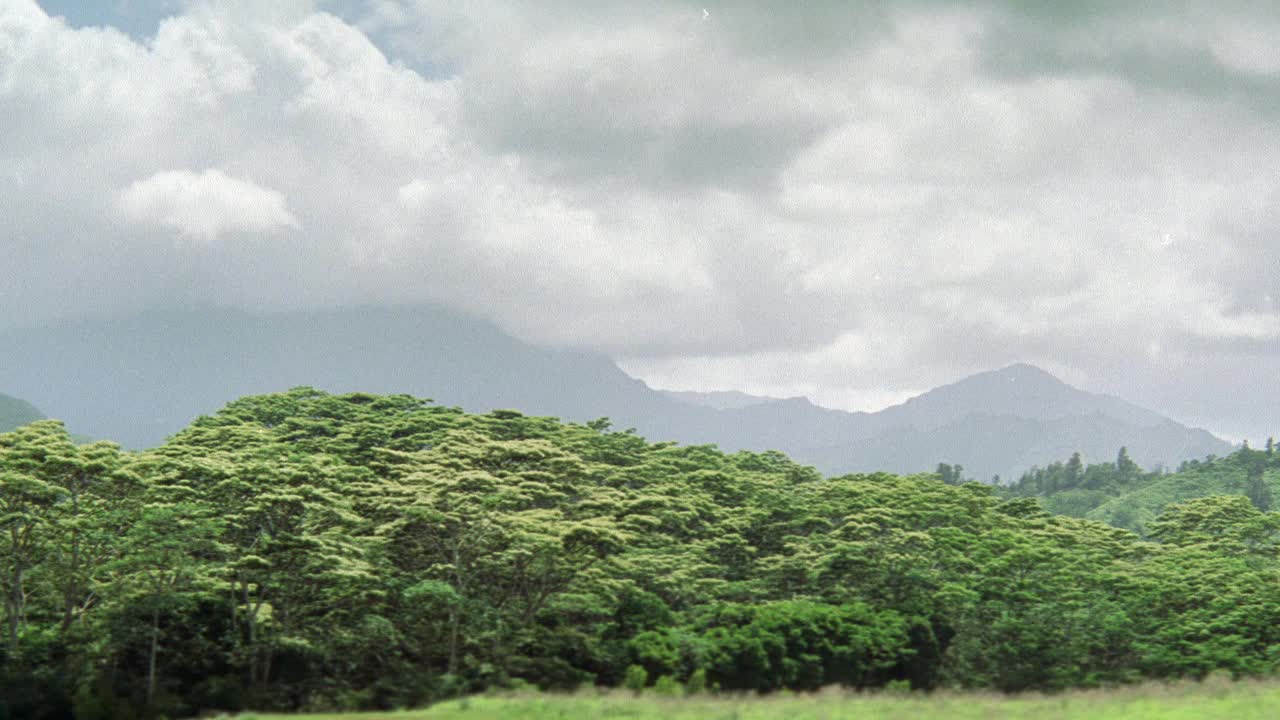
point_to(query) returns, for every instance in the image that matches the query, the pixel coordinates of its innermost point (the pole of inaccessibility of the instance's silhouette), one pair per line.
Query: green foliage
(803, 645)
(669, 686)
(697, 682)
(306, 551)
(635, 678)
(1121, 494)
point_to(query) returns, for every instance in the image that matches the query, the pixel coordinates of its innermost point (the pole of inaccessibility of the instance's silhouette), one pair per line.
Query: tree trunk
(454, 621)
(252, 627)
(151, 657)
(455, 615)
(231, 605)
(69, 605)
(268, 658)
(15, 603)
(71, 592)
(12, 612)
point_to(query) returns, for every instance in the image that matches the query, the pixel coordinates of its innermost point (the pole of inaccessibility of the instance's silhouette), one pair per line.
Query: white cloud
(205, 205)
(1248, 46)
(848, 200)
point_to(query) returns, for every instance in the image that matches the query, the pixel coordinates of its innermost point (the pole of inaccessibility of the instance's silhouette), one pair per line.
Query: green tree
(1126, 468)
(1257, 489)
(172, 548)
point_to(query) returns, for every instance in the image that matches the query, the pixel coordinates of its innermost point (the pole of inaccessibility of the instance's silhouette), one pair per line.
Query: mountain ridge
(1040, 393)
(16, 412)
(138, 378)
(718, 399)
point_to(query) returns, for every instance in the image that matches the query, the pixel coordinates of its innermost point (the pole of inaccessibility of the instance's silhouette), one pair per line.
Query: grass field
(1208, 701)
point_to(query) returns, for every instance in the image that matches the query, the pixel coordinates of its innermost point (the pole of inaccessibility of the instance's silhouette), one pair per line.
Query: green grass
(1207, 701)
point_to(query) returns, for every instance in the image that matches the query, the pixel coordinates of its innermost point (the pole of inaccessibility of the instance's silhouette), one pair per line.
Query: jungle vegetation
(308, 551)
(1122, 494)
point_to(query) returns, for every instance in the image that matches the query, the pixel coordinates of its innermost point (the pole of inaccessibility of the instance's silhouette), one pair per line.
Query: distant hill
(1138, 506)
(1019, 390)
(1004, 421)
(15, 413)
(1129, 498)
(140, 378)
(137, 379)
(719, 400)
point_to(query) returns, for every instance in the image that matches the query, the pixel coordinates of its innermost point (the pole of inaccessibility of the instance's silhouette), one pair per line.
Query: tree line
(307, 551)
(1124, 495)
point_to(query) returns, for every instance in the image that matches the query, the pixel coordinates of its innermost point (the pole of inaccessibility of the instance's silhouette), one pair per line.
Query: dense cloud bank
(852, 204)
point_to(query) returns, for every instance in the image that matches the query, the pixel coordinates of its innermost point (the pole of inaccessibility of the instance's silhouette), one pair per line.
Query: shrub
(898, 686)
(636, 678)
(667, 685)
(697, 682)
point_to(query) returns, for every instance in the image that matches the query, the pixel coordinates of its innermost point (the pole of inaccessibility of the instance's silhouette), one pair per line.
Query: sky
(849, 201)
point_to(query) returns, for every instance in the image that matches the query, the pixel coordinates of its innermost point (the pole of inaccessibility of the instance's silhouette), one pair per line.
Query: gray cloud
(848, 200)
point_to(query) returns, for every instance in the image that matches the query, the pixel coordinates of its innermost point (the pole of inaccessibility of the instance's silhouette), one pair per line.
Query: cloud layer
(205, 205)
(850, 200)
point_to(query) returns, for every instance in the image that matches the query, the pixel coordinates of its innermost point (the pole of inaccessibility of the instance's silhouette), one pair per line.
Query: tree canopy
(311, 551)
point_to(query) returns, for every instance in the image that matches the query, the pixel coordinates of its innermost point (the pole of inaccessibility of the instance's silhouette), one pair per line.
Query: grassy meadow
(1203, 701)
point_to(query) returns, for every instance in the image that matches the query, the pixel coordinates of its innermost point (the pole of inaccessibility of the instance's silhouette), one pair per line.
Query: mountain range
(139, 378)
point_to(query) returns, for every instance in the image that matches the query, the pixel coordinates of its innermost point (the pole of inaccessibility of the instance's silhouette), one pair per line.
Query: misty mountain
(15, 413)
(1020, 390)
(1000, 422)
(140, 378)
(719, 399)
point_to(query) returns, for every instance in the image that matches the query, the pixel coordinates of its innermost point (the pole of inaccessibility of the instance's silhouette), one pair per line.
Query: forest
(307, 551)
(1122, 494)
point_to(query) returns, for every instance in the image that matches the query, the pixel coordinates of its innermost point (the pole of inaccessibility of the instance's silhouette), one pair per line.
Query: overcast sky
(853, 202)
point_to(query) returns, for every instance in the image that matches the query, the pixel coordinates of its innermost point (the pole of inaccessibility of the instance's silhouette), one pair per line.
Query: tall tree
(1257, 489)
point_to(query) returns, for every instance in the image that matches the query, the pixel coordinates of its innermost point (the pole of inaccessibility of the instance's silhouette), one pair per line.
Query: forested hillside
(15, 413)
(1123, 495)
(312, 551)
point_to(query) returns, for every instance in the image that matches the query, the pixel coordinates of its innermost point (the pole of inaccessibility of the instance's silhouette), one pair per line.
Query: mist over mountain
(718, 399)
(140, 378)
(1019, 390)
(16, 413)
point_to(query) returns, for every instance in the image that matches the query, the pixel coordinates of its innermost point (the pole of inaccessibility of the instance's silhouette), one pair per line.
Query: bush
(520, 685)
(636, 678)
(667, 685)
(898, 686)
(697, 682)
